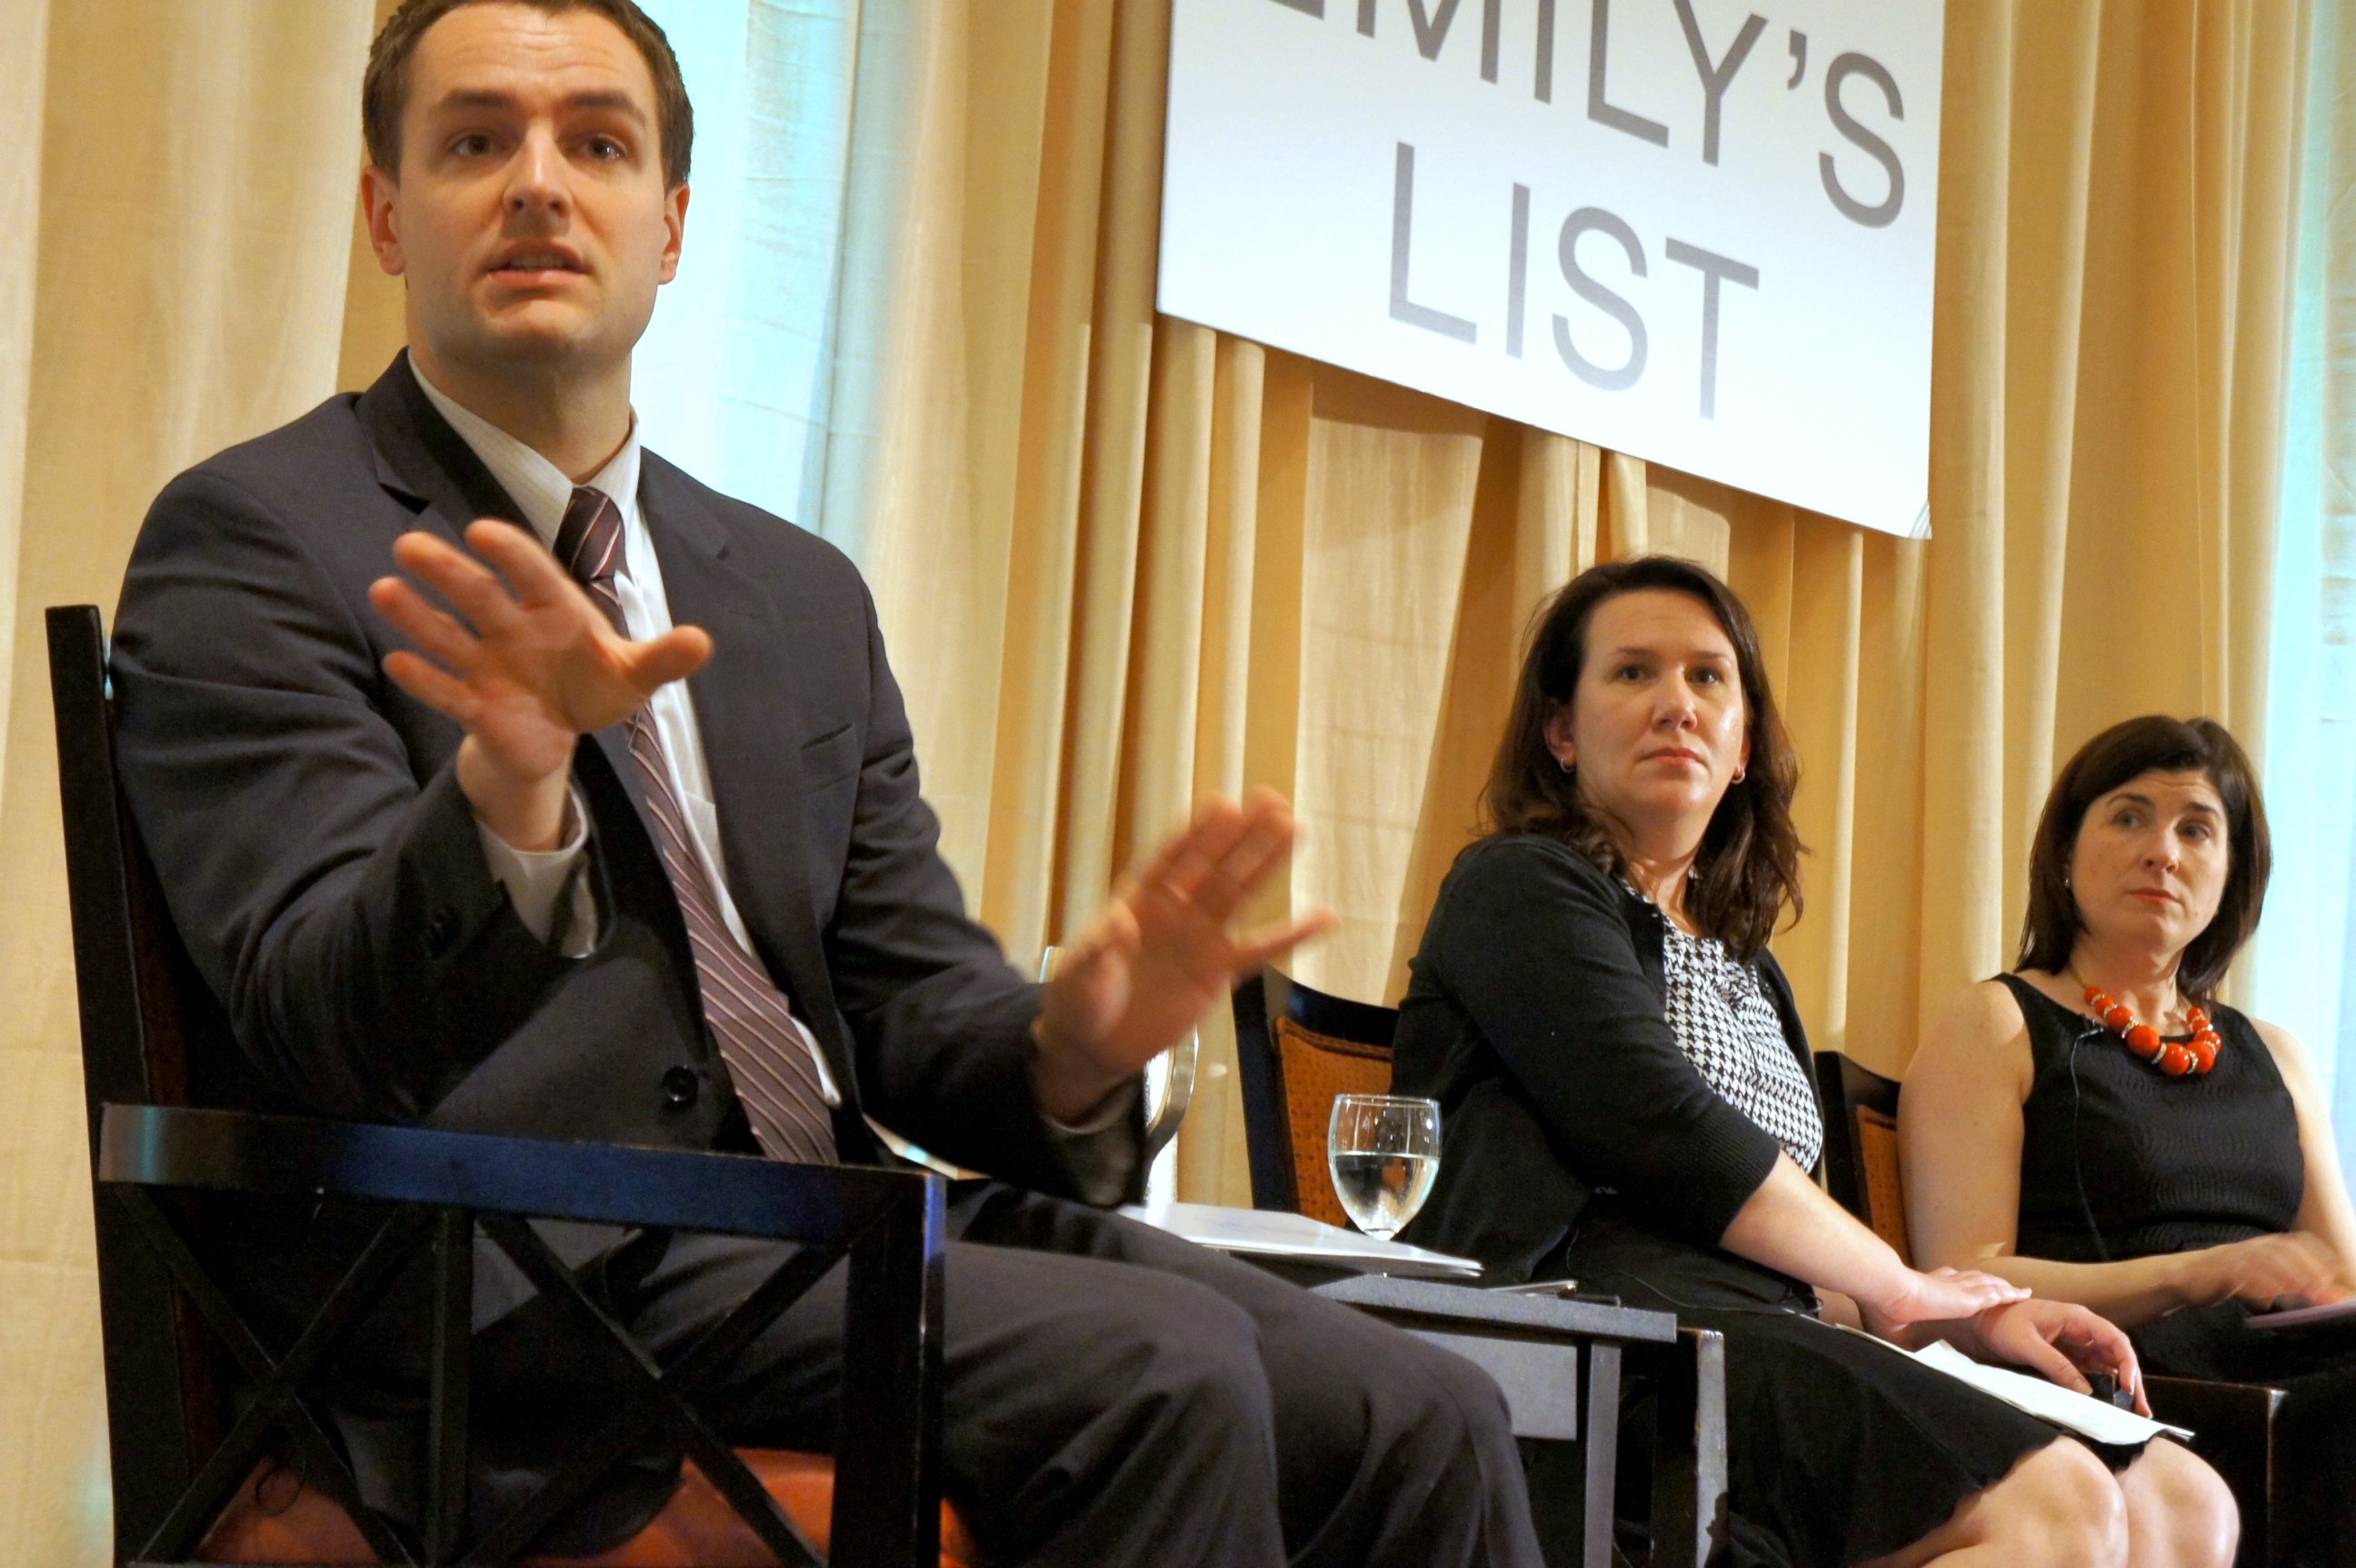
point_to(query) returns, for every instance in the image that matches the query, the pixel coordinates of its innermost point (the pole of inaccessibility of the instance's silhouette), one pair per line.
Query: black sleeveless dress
(2119, 1161)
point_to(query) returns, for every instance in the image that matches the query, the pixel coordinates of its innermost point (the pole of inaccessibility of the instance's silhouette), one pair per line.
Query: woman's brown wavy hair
(1747, 872)
(2152, 744)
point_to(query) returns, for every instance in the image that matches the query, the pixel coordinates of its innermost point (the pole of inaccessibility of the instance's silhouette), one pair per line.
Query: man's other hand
(1161, 955)
(526, 665)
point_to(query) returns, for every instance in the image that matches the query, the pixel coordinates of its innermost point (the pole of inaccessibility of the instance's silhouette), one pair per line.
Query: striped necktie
(766, 1050)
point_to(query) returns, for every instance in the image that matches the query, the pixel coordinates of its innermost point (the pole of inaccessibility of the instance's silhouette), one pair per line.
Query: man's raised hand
(1161, 955)
(527, 663)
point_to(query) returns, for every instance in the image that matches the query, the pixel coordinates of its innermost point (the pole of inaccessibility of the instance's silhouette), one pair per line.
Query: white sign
(1679, 229)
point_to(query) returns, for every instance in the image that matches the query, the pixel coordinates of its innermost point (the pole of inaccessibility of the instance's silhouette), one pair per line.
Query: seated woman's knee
(2062, 1506)
(2181, 1507)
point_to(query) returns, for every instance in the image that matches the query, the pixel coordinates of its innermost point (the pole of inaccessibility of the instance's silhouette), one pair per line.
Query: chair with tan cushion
(1297, 1049)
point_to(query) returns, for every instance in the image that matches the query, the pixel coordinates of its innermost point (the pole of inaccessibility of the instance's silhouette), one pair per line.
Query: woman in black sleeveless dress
(2176, 1180)
(1626, 1101)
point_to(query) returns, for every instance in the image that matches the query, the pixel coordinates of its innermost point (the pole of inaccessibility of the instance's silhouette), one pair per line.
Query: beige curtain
(1125, 562)
(172, 273)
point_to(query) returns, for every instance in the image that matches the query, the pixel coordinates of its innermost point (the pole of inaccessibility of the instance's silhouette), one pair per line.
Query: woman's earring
(1566, 764)
(1740, 773)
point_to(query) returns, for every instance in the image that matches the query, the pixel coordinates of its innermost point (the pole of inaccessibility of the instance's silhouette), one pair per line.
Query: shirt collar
(539, 488)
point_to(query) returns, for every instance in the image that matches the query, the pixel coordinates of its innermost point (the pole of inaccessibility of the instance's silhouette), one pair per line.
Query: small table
(1544, 1351)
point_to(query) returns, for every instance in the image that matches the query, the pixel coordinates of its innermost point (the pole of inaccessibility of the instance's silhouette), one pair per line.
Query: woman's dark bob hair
(2152, 744)
(1748, 871)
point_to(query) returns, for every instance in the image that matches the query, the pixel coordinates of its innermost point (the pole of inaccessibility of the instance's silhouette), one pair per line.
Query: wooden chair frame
(1258, 1001)
(174, 1465)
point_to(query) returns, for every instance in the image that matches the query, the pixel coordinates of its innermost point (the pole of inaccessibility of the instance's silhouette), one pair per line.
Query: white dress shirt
(534, 881)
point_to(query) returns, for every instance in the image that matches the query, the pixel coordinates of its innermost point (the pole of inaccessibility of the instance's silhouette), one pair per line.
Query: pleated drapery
(1124, 561)
(178, 197)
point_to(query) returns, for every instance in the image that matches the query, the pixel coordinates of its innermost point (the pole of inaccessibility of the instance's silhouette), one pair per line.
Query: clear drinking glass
(1384, 1151)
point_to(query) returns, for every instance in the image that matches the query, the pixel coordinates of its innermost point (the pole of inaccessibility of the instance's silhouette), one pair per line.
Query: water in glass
(1384, 1151)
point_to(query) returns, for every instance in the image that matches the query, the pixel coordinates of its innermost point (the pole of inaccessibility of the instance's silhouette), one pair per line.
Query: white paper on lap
(2048, 1401)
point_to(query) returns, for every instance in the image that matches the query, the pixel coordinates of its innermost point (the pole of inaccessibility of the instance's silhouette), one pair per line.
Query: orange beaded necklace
(2177, 1058)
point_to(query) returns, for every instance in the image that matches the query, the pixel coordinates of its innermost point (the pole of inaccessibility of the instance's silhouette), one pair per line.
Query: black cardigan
(1538, 1019)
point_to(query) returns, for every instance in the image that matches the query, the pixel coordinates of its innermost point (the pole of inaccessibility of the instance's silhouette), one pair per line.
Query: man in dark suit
(616, 835)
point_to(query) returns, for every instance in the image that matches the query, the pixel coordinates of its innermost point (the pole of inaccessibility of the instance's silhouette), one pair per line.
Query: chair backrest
(1862, 1145)
(1296, 1050)
(141, 1002)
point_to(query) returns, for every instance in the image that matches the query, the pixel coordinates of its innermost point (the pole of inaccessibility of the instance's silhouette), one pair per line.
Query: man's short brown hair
(384, 90)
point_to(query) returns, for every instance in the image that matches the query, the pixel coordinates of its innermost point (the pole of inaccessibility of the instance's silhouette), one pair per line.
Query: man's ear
(675, 221)
(379, 193)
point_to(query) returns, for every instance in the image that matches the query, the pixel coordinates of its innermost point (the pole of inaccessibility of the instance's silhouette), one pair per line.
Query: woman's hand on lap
(1940, 1295)
(2060, 1340)
(2290, 1270)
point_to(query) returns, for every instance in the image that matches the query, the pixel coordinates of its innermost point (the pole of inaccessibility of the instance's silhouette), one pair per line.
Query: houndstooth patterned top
(1725, 1023)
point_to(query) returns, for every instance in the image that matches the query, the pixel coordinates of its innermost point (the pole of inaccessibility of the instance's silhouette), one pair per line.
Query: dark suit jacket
(327, 878)
(1536, 1017)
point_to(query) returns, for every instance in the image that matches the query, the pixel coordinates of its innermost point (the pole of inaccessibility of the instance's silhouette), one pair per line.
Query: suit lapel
(744, 712)
(420, 459)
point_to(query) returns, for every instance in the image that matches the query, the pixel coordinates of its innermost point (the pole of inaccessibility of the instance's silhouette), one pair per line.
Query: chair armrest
(887, 1225)
(2232, 1412)
(2233, 1428)
(236, 1151)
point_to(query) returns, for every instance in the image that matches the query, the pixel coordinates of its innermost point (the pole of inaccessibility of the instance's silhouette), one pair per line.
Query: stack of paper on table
(1271, 1233)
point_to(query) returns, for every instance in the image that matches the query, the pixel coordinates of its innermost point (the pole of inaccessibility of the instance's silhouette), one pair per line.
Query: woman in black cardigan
(1626, 1100)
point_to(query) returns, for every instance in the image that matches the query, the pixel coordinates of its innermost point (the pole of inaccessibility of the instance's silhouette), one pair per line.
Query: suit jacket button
(680, 1087)
(441, 930)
